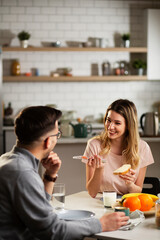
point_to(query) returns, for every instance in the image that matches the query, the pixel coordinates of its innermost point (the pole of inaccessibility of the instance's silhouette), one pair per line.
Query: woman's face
(116, 125)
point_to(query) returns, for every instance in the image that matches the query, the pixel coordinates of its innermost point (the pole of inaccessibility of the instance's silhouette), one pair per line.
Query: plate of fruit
(138, 201)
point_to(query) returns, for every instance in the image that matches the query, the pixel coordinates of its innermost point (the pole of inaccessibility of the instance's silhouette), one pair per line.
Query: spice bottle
(16, 68)
(157, 212)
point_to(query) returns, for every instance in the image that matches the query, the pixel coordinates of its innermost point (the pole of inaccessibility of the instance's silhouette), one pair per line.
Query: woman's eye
(117, 123)
(108, 120)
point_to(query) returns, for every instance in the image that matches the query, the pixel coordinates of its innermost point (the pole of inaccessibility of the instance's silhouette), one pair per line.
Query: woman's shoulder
(94, 141)
(143, 145)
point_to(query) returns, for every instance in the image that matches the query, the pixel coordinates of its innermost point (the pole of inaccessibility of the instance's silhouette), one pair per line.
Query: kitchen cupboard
(75, 78)
(153, 43)
(72, 171)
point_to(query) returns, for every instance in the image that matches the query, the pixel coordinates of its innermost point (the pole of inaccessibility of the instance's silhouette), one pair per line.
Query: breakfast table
(82, 201)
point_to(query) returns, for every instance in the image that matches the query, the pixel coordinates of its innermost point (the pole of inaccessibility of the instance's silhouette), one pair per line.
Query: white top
(111, 182)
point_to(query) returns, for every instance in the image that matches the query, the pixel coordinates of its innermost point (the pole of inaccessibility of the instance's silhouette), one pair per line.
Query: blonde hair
(127, 110)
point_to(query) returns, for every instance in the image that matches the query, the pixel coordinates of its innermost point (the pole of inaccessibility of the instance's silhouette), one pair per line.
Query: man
(25, 212)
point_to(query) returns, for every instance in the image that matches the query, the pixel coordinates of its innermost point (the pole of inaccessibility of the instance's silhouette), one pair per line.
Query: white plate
(74, 215)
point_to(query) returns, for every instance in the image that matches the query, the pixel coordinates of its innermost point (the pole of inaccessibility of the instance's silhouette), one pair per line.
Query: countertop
(69, 140)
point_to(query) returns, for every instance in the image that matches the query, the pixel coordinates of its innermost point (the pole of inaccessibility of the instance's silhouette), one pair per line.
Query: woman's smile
(116, 125)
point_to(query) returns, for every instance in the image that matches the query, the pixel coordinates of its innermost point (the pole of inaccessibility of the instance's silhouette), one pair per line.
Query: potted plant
(140, 65)
(126, 39)
(24, 37)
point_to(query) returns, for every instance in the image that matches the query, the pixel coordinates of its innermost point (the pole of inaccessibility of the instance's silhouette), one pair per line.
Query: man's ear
(48, 142)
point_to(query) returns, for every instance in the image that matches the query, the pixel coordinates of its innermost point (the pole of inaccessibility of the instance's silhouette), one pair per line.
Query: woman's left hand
(129, 177)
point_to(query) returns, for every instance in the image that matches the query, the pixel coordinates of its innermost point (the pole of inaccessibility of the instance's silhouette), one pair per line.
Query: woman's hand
(129, 177)
(52, 163)
(95, 162)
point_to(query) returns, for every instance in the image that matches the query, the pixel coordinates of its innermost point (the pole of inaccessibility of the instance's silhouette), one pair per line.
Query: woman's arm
(94, 174)
(135, 186)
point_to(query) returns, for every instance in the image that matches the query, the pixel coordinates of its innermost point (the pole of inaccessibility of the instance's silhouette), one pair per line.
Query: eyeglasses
(58, 135)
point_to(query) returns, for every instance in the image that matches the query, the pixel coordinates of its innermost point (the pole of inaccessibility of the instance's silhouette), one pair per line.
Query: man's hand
(52, 164)
(113, 221)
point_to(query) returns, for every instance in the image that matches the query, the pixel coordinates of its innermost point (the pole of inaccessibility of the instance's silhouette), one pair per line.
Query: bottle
(157, 212)
(16, 69)
(106, 68)
(117, 69)
(8, 111)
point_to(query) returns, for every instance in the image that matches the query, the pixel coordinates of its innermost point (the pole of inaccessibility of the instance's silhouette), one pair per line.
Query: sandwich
(123, 169)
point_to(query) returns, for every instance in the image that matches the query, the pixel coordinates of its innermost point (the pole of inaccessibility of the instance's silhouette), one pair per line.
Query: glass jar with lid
(16, 68)
(157, 212)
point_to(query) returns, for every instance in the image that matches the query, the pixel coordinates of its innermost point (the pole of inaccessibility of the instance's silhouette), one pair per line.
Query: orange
(146, 202)
(132, 203)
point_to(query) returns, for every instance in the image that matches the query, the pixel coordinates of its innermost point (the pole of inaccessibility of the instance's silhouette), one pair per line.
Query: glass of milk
(58, 196)
(109, 198)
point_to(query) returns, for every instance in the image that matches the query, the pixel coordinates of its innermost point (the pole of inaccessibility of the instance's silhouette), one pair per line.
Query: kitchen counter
(96, 127)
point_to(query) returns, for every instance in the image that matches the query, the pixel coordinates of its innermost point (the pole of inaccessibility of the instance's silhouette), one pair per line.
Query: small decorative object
(24, 37)
(126, 40)
(8, 115)
(140, 65)
(67, 72)
(106, 68)
(16, 68)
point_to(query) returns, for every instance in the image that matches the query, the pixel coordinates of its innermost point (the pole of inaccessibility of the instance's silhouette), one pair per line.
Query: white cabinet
(153, 44)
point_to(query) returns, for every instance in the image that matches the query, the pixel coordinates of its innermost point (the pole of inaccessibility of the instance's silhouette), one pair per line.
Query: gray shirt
(25, 212)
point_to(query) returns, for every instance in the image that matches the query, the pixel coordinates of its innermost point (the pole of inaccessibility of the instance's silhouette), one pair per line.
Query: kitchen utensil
(56, 44)
(85, 159)
(66, 128)
(150, 123)
(81, 130)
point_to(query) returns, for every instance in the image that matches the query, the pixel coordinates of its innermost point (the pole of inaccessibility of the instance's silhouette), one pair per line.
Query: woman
(118, 144)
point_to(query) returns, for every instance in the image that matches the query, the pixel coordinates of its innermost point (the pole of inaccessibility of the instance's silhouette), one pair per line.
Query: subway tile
(65, 21)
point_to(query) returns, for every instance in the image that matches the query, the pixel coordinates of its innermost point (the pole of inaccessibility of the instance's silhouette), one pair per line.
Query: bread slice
(123, 169)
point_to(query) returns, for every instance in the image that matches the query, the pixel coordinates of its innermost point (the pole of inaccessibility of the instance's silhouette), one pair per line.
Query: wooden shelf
(75, 49)
(73, 78)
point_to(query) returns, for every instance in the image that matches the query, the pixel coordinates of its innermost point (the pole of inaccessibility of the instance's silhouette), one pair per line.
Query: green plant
(23, 36)
(125, 36)
(138, 63)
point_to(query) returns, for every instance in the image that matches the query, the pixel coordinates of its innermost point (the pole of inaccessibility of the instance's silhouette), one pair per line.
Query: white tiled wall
(67, 20)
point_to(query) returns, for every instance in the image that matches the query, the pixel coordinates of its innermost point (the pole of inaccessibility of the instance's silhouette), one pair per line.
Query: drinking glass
(58, 196)
(109, 198)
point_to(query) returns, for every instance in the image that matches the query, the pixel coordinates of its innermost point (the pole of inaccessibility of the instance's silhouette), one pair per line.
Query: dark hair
(34, 122)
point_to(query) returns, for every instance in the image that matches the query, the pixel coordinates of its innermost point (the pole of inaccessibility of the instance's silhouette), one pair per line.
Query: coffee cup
(122, 209)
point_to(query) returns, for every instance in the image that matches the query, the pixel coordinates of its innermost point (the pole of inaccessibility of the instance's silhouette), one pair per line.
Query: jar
(122, 67)
(117, 69)
(106, 68)
(16, 69)
(157, 212)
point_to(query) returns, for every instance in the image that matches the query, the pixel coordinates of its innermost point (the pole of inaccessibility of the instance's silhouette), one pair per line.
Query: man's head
(35, 122)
